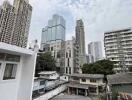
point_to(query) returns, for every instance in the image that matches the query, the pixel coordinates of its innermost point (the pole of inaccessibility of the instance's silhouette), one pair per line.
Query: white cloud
(98, 15)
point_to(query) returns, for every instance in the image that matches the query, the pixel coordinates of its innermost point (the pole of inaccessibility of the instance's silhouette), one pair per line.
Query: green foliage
(100, 67)
(45, 62)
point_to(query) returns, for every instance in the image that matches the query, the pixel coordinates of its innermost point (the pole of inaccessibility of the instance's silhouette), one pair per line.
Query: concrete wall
(27, 77)
(19, 88)
(52, 93)
(98, 82)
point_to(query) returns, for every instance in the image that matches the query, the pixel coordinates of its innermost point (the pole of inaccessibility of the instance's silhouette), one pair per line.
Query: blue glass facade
(54, 31)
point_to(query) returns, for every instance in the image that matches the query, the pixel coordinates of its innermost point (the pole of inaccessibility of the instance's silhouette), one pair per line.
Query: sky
(99, 16)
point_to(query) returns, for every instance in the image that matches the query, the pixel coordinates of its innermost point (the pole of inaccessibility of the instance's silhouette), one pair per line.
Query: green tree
(45, 62)
(100, 67)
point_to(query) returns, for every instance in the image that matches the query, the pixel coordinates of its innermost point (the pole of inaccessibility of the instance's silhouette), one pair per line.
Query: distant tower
(80, 40)
(23, 11)
(95, 49)
(54, 31)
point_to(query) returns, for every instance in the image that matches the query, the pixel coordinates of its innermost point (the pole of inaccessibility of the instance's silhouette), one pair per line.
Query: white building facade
(118, 47)
(17, 66)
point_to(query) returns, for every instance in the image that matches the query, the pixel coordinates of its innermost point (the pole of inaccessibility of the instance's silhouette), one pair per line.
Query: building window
(9, 57)
(69, 53)
(2, 56)
(0, 68)
(58, 54)
(83, 80)
(93, 80)
(92, 89)
(66, 70)
(69, 70)
(51, 48)
(43, 49)
(66, 55)
(14, 58)
(10, 71)
(68, 62)
(42, 82)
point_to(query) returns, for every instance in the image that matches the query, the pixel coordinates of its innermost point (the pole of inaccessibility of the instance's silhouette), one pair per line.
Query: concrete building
(17, 67)
(54, 31)
(47, 82)
(57, 50)
(23, 11)
(15, 22)
(86, 84)
(118, 47)
(7, 17)
(89, 58)
(71, 57)
(95, 49)
(49, 75)
(80, 40)
(119, 86)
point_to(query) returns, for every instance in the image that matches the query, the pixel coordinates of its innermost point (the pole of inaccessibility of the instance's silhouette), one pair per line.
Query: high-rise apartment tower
(15, 22)
(118, 47)
(80, 40)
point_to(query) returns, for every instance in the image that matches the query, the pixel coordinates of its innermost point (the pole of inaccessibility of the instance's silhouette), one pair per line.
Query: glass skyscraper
(54, 31)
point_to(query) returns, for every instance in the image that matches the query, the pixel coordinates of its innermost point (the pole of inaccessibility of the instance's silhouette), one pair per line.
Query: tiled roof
(121, 78)
(88, 75)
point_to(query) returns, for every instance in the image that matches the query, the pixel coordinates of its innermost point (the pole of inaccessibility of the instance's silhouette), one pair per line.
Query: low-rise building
(53, 75)
(17, 67)
(48, 81)
(119, 85)
(86, 84)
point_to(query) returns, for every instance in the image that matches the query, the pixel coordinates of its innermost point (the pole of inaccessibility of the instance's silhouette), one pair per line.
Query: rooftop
(88, 75)
(7, 48)
(119, 30)
(121, 78)
(47, 72)
(70, 97)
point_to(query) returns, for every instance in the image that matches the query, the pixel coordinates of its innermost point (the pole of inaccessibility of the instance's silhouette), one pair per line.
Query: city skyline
(119, 16)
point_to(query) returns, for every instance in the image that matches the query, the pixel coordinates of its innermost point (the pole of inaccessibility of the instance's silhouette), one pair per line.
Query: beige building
(7, 17)
(71, 57)
(86, 84)
(15, 22)
(118, 47)
(23, 10)
(80, 40)
(57, 50)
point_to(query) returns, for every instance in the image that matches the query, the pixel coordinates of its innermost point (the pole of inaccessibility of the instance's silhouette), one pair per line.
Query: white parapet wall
(52, 93)
(17, 66)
